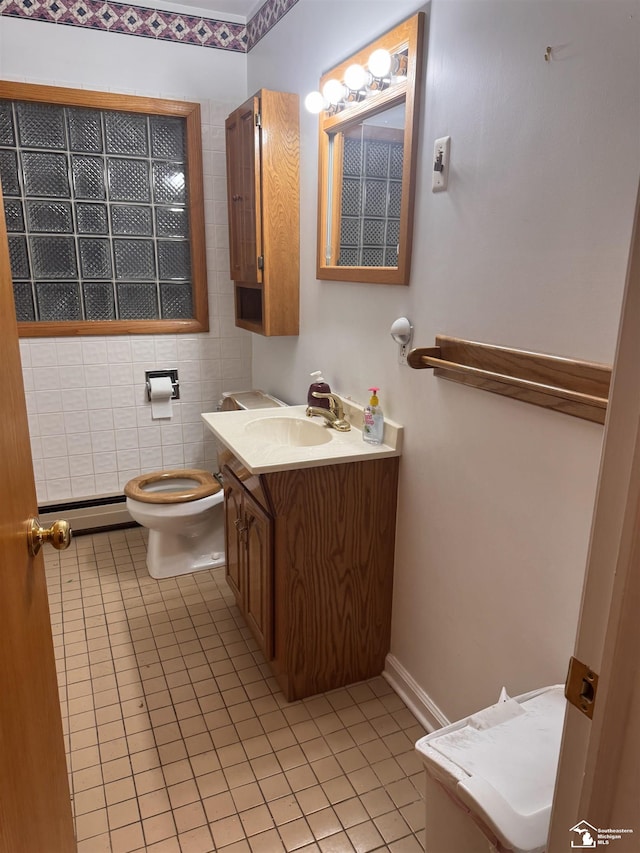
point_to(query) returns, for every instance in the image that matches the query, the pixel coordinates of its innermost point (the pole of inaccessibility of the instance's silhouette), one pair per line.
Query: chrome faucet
(334, 415)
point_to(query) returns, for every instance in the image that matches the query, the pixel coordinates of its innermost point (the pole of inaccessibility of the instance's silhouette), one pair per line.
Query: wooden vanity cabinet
(310, 560)
(263, 187)
(249, 543)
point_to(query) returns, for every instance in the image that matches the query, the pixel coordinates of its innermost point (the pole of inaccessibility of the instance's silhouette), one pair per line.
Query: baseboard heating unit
(88, 516)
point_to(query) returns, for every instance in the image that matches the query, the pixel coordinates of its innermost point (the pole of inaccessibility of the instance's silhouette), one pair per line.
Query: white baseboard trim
(421, 706)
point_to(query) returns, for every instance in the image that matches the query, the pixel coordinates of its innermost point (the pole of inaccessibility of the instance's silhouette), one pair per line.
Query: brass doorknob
(59, 535)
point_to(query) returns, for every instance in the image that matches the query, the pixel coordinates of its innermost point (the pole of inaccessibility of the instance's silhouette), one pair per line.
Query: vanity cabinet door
(259, 576)
(243, 181)
(233, 534)
(263, 190)
(249, 572)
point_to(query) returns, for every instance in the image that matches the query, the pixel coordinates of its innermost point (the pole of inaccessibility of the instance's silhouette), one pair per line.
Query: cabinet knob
(236, 198)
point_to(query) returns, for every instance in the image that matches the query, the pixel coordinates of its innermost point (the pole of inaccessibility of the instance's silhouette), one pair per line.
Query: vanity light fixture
(383, 68)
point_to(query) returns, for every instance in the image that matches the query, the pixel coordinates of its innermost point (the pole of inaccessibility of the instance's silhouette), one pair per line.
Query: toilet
(184, 508)
(184, 512)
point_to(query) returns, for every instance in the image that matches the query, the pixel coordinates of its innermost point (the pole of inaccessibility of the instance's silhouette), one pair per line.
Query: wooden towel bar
(577, 388)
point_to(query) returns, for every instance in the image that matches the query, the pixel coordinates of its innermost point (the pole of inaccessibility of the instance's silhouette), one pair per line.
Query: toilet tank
(255, 399)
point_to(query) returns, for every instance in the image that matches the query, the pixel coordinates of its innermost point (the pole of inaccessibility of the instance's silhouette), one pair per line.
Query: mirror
(367, 160)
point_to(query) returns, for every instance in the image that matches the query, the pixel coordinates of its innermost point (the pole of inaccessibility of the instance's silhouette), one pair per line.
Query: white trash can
(490, 777)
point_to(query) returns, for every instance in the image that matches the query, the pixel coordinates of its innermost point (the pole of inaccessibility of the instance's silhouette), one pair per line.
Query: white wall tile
(79, 443)
(27, 378)
(43, 354)
(100, 420)
(98, 398)
(124, 396)
(107, 484)
(83, 486)
(166, 351)
(188, 371)
(30, 402)
(72, 376)
(173, 456)
(51, 424)
(121, 374)
(45, 378)
(69, 352)
(36, 448)
(188, 348)
(149, 436)
(94, 351)
(128, 460)
(126, 439)
(58, 488)
(103, 440)
(193, 433)
(80, 465)
(171, 434)
(143, 349)
(74, 400)
(96, 375)
(48, 401)
(150, 459)
(86, 397)
(76, 422)
(55, 467)
(118, 350)
(104, 463)
(25, 352)
(125, 418)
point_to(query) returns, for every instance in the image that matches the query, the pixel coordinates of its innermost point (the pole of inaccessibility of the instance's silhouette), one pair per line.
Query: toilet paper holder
(154, 374)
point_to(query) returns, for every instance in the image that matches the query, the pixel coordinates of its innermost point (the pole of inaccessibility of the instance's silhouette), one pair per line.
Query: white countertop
(261, 455)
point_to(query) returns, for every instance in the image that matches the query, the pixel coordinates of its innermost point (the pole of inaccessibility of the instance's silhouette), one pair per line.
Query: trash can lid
(502, 764)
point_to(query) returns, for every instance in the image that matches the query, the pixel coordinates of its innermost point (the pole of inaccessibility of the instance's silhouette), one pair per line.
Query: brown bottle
(322, 387)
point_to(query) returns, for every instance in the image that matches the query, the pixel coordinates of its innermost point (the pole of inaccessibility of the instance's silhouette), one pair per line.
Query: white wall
(528, 248)
(90, 424)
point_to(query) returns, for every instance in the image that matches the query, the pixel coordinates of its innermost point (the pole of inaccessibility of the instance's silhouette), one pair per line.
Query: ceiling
(236, 10)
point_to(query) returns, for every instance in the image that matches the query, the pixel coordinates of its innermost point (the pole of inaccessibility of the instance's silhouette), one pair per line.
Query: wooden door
(259, 575)
(35, 807)
(598, 777)
(243, 177)
(233, 523)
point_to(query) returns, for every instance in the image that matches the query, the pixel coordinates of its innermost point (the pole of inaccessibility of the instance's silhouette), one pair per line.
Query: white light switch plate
(441, 148)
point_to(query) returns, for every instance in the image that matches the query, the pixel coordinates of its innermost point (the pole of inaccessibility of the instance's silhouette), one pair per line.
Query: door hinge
(581, 687)
(258, 119)
(260, 262)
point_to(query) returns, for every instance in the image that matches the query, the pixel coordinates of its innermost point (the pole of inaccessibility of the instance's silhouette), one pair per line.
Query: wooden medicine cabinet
(263, 156)
(367, 162)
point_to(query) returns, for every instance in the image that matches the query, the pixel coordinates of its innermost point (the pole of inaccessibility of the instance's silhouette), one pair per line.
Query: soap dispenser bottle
(321, 387)
(373, 426)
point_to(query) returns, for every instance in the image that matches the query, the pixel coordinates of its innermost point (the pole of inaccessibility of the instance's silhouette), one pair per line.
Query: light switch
(441, 148)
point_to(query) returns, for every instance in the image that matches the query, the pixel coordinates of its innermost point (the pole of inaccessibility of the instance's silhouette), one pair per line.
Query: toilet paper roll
(160, 392)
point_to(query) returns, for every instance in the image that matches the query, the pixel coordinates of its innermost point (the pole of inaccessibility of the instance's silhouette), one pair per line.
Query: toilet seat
(205, 485)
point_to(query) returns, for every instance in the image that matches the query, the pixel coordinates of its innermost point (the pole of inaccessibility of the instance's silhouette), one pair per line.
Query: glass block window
(370, 202)
(99, 214)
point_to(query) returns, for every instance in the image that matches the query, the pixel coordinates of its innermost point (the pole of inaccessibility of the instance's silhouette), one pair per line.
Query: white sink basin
(288, 432)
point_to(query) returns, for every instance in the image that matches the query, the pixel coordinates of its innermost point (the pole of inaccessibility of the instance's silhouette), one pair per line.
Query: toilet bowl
(184, 512)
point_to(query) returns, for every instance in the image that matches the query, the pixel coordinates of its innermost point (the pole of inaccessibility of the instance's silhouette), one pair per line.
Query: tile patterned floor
(179, 740)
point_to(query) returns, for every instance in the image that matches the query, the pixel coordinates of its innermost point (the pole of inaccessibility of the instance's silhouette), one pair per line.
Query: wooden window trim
(150, 106)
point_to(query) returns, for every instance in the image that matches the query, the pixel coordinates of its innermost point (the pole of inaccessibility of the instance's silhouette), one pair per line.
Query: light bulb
(314, 102)
(380, 63)
(333, 91)
(355, 77)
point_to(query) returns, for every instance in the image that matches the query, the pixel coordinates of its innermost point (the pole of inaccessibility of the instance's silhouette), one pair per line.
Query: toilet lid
(204, 484)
